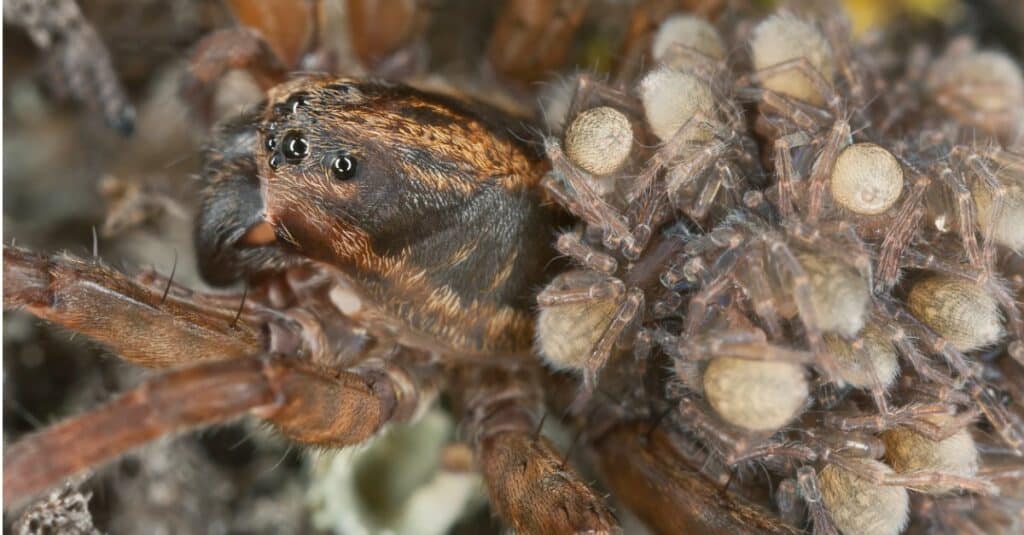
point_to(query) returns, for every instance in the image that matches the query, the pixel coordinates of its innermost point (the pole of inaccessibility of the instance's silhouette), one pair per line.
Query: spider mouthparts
(261, 233)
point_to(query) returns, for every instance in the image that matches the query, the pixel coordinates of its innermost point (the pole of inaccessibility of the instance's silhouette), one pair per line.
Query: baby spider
(783, 273)
(980, 88)
(705, 158)
(844, 484)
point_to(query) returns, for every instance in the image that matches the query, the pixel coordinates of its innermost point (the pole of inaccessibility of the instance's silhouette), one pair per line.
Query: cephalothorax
(428, 205)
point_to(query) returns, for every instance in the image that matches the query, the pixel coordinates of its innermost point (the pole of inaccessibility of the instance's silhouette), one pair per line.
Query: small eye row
(294, 146)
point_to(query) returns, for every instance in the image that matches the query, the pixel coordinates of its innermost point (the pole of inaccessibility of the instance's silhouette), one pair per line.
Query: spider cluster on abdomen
(765, 274)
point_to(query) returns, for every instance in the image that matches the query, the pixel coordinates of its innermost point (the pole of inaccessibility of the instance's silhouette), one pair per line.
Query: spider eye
(295, 146)
(343, 166)
(270, 143)
(296, 100)
(275, 160)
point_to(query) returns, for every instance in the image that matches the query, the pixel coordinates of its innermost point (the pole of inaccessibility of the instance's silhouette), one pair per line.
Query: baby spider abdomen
(866, 179)
(755, 395)
(672, 100)
(1008, 227)
(908, 452)
(982, 88)
(693, 33)
(861, 365)
(784, 38)
(958, 310)
(599, 140)
(839, 295)
(857, 506)
(567, 333)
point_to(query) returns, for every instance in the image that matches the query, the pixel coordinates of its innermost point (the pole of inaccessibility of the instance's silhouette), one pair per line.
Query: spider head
(406, 192)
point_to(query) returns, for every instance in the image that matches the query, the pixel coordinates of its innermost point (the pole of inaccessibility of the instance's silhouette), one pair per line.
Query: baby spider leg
(758, 288)
(781, 255)
(914, 479)
(728, 442)
(996, 192)
(589, 91)
(743, 344)
(821, 170)
(582, 200)
(529, 484)
(1007, 424)
(912, 416)
(901, 232)
(571, 245)
(807, 485)
(580, 287)
(720, 280)
(966, 217)
(918, 361)
(307, 403)
(709, 170)
(783, 148)
(801, 66)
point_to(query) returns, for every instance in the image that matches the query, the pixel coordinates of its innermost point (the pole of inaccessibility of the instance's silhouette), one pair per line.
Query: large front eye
(295, 146)
(343, 166)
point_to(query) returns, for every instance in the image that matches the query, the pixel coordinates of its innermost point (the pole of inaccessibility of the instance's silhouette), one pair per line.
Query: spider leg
(758, 289)
(571, 245)
(645, 469)
(910, 416)
(802, 66)
(903, 229)
(530, 486)
(780, 108)
(781, 255)
(136, 321)
(581, 289)
(998, 192)
(967, 218)
(628, 310)
(821, 171)
(582, 200)
(225, 50)
(807, 482)
(914, 479)
(744, 344)
(590, 92)
(783, 148)
(307, 403)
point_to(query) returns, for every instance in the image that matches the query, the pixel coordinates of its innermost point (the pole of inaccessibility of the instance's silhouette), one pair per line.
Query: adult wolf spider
(327, 186)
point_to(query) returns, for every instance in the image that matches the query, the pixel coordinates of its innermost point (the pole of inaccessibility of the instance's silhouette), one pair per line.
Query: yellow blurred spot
(868, 14)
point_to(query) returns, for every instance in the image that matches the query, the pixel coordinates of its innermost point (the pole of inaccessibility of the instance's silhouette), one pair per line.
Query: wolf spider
(292, 348)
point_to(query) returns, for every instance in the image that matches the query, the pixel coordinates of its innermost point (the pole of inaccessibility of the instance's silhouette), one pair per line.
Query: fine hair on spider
(852, 487)
(783, 274)
(704, 155)
(764, 277)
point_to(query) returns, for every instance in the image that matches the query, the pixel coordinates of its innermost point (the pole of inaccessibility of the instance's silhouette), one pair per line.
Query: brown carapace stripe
(444, 230)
